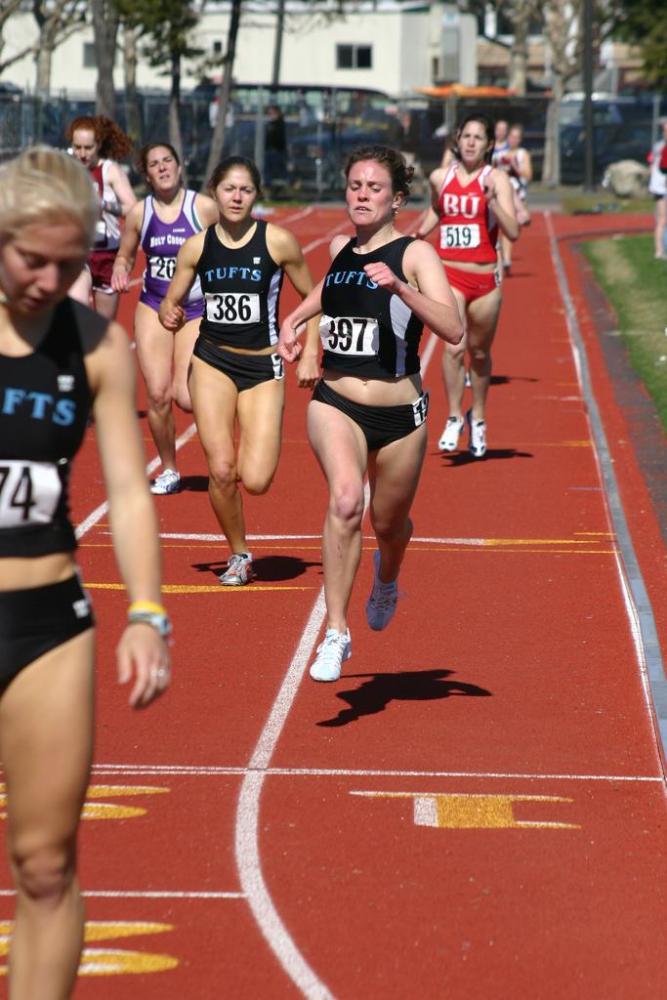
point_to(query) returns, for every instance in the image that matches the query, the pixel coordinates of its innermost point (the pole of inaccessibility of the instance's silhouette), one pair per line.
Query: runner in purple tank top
(160, 224)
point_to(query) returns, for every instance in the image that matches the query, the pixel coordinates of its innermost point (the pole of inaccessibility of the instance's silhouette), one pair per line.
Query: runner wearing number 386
(236, 376)
(472, 201)
(160, 224)
(368, 414)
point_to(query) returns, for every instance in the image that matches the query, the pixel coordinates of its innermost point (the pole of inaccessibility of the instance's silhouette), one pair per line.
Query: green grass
(582, 202)
(636, 285)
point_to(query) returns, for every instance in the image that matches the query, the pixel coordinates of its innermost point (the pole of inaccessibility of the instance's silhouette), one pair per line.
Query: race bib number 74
(350, 335)
(29, 492)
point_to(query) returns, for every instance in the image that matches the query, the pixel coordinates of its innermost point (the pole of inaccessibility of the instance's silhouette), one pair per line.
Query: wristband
(151, 606)
(160, 622)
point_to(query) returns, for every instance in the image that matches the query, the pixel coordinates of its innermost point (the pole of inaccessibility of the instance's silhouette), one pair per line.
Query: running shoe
(335, 648)
(168, 481)
(450, 436)
(381, 604)
(477, 443)
(239, 570)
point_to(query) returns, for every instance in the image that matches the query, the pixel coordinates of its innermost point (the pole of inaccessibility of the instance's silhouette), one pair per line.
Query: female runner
(236, 375)
(97, 142)
(472, 201)
(368, 414)
(517, 164)
(160, 224)
(56, 358)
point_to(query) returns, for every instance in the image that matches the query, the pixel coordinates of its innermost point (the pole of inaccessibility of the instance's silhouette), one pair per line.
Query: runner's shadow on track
(409, 685)
(268, 569)
(194, 484)
(457, 458)
(507, 379)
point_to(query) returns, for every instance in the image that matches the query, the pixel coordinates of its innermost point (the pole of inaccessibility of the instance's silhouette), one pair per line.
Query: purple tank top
(161, 242)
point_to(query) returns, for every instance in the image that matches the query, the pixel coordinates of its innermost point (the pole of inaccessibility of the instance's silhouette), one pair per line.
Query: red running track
(477, 808)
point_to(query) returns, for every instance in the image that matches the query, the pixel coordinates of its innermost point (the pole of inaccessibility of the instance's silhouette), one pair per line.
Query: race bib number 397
(29, 493)
(350, 335)
(232, 307)
(465, 237)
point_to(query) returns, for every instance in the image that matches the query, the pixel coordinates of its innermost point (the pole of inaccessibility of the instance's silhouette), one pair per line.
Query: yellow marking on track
(473, 811)
(105, 810)
(566, 444)
(110, 961)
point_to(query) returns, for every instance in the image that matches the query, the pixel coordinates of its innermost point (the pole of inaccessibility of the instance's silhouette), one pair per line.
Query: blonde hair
(45, 185)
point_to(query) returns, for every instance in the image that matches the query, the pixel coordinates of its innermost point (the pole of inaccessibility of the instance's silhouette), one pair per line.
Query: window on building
(217, 48)
(89, 60)
(354, 57)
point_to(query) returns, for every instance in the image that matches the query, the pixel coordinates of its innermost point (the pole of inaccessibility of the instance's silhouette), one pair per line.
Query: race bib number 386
(465, 237)
(350, 335)
(29, 492)
(232, 307)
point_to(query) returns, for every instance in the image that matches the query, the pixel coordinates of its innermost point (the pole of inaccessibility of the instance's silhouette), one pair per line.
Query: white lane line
(139, 894)
(248, 857)
(187, 770)
(637, 602)
(99, 512)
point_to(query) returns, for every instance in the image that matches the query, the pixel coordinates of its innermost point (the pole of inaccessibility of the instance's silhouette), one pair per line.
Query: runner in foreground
(237, 377)
(472, 202)
(368, 413)
(57, 357)
(161, 224)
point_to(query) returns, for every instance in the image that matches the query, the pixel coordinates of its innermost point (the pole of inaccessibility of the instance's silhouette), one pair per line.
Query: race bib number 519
(29, 493)
(350, 335)
(459, 237)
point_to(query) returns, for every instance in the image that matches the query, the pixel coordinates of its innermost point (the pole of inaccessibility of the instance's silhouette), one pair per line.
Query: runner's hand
(383, 276)
(289, 347)
(143, 654)
(172, 317)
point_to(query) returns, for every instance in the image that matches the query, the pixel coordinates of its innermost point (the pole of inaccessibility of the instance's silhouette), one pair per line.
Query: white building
(386, 45)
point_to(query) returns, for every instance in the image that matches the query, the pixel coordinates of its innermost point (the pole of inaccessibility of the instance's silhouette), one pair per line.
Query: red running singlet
(468, 227)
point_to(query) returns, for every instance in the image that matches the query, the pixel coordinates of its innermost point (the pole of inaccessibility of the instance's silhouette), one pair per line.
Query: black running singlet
(241, 291)
(365, 329)
(44, 405)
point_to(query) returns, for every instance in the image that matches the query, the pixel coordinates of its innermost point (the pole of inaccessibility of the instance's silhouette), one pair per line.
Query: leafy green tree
(644, 23)
(163, 29)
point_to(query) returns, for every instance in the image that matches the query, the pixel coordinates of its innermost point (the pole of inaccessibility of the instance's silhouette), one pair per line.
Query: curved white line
(248, 857)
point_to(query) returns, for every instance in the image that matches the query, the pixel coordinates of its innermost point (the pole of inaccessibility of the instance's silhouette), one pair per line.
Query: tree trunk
(551, 167)
(132, 109)
(175, 137)
(218, 137)
(43, 58)
(519, 51)
(105, 28)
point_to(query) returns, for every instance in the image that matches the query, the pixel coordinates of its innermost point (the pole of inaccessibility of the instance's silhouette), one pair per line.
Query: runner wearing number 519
(472, 201)
(237, 377)
(160, 224)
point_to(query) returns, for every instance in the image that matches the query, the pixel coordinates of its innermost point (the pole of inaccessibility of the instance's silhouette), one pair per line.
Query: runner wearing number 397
(472, 201)
(160, 224)
(237, 378)
(368, 414)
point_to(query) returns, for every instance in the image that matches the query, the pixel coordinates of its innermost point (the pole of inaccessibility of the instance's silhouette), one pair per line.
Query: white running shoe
(477, 443)
(168, 481)
(450, 436)
(335, 648)
(239, 570)
(381, 604)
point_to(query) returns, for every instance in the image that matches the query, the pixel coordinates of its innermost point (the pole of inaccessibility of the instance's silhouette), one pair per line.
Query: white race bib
(464, 237)
(162, 267)
(232, 307)
(350, 335)
(101, 233)
(29, 492)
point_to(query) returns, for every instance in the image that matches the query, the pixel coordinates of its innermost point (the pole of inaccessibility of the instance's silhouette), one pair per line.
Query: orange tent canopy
(461, 90)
